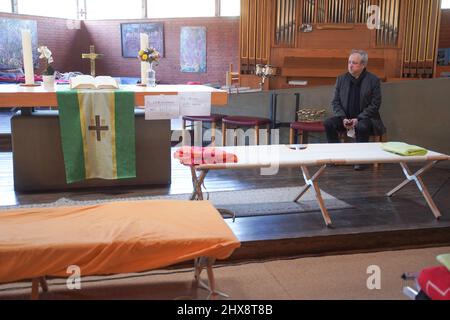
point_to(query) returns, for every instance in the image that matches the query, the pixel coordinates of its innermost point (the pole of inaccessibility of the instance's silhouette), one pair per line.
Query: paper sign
(161, 107)
(195, 103)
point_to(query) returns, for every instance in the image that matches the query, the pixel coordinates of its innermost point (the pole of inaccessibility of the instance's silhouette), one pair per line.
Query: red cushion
(191, 156)
(435, 282)
(245, 121)
(316, 126)
(22, 78)
(211, 118)
(194, 83)
(8, 79)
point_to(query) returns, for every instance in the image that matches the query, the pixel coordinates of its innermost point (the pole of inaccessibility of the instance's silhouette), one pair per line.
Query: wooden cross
(93, 56)
(98, 128)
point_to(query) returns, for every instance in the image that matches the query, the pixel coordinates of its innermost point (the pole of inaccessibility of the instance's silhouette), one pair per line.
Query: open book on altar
(89, 82)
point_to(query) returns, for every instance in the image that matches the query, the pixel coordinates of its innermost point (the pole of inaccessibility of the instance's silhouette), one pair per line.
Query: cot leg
(419, 182)
(311, 182)
(200, 264)
(35, 289)
(305, 188)
(197, 194)
(227, 213)
(197, 182)
(308, 185)
(43, 283)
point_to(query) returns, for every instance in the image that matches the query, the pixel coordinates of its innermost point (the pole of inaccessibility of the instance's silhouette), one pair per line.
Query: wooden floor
(374, 222)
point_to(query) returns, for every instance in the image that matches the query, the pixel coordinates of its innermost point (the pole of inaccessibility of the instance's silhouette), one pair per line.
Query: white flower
(45, 53)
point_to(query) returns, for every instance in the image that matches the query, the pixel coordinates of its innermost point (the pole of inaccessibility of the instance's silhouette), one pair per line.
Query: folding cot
(111, 238)
(269, 158)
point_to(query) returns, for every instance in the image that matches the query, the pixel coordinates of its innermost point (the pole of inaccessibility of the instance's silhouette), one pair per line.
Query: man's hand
(348, 124)
(354, 122)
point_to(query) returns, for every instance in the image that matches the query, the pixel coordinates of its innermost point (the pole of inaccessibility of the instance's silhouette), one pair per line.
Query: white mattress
(315, 154)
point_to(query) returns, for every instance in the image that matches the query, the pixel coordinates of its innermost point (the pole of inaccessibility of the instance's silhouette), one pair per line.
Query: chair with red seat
(300, 127)
(244, 121)
(303, 127)
(214, 119)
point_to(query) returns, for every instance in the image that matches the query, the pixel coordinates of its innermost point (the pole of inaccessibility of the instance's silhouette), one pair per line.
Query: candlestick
(144, 65)
(27, 57)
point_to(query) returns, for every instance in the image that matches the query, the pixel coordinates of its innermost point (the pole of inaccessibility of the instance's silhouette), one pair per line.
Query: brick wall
(67, 46)
(61, 40)
(444, 35)
(222, 46)
(222, 36)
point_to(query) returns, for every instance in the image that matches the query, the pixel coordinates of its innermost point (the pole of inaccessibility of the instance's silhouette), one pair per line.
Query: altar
(36, 144)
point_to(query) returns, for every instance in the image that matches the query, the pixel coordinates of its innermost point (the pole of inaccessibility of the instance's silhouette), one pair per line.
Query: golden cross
(92, 55)
(98, 128)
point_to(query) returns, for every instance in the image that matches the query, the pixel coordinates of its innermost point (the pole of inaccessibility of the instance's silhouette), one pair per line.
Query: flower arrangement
(149, 55)
(46, 54)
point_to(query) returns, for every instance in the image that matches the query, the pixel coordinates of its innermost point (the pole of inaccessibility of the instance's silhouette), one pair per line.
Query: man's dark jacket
(370, 99)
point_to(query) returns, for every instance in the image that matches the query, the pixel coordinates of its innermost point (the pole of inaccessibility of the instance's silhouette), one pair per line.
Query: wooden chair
(241, 121)
(213, 119)
(301, 127)
(232, 77)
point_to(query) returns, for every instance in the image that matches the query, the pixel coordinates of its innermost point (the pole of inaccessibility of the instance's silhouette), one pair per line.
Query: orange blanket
(110, 238)
(192, 156)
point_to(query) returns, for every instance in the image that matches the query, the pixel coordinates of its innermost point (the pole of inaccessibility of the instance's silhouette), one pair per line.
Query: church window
(230, 7)
(180, 8)
(5, 6)
(49, 8)
(107, 9)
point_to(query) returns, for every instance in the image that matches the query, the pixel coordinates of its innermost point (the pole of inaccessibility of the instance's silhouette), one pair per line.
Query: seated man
(357, 99)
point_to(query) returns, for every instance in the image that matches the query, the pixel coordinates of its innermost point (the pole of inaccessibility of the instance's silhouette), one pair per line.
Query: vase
(48, 81)
(151, 76)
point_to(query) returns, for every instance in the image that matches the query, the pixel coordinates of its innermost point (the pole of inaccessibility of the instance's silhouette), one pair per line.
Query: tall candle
(144, 65)
(27, 57)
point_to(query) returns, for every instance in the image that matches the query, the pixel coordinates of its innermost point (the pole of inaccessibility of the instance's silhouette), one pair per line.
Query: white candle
(144, 65)
(27, 57)
(144, 41)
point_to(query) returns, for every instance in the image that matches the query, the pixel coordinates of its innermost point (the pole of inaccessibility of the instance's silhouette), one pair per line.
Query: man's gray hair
(364, 56)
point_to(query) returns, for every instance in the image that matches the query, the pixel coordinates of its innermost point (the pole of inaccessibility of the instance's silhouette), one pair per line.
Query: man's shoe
(359, 167)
